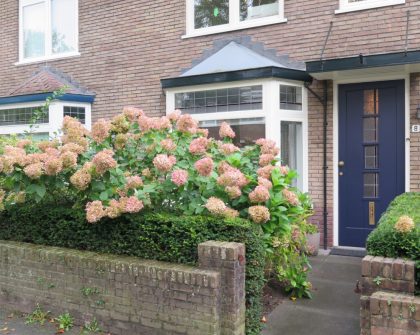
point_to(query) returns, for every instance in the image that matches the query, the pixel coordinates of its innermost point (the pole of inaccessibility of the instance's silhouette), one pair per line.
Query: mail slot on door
(372, 220)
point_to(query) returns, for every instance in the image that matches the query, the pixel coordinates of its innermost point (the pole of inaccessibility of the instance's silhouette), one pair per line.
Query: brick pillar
(229, 259)
(390, 277)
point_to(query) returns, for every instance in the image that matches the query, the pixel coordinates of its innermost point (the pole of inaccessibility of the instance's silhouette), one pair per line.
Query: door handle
(341, 163)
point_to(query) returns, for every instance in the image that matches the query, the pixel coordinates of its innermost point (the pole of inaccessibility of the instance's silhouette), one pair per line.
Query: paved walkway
(334, 309)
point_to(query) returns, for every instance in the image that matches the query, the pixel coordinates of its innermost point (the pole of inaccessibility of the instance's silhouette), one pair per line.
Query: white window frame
(234, 20)
(271, 111)
(346, 6)
(56, 116)
(48, 55)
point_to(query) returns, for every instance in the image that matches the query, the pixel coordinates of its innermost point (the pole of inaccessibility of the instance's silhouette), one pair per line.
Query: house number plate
(415, 128)
(372, 221)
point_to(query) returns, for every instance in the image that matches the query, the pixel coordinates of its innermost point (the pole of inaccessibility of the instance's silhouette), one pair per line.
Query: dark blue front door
(371, 155)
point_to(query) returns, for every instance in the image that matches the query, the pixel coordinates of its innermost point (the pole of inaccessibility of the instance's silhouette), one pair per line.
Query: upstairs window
(48, 29)
(214, 16)
(354, 5)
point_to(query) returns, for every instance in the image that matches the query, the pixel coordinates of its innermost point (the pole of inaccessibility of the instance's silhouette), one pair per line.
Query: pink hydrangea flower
(81, 179)
(232, 177)
(230, 213)
(103, 161)
(94, 211)
(34, 171)
(265, 182)
(168, 145)
(259, 194)
(120, 124)
(73, 147)
(187, 124)
(132, 113)
(204, 166)
(133, 205)
(23, 143)
(174, 116)
(268, 146)
(290, 197)
(228, 148)
(266, 159)
(226, 131)
(265, 172)
(114, 209)
(47, 144)
(100, 130)
(164, 163)
(259, 214)
(69, 159)
(284, 170)
(199, 146)
(134, 182)
(53, 166)
(146, 173)
(202, 131)
(233, 192)
(215, 206)
(179, 177)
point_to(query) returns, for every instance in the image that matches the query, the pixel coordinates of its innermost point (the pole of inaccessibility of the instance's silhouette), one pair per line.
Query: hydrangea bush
(134, 162)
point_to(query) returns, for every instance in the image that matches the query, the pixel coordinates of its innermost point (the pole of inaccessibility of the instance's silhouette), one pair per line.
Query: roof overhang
(399, 62)
(43, 96)
(259, 73)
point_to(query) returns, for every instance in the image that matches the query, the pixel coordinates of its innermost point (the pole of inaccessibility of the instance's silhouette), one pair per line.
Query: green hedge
(164, 237)
(386, 241)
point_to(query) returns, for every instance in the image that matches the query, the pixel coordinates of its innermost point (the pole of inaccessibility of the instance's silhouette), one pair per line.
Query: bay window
(21, 118)
(48, 29)
(263, 108)
(214, 16)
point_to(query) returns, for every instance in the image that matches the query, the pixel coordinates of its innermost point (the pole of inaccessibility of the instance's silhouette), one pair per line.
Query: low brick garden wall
(129, 295)
(388, 304)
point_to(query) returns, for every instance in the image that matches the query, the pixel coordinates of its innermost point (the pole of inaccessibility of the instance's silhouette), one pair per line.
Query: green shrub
(387, 241)
(163, 236)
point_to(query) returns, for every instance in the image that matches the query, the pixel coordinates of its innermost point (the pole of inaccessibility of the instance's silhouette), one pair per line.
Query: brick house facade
(127, 47)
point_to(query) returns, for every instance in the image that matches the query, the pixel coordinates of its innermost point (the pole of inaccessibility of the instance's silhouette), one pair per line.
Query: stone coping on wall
(128, 295)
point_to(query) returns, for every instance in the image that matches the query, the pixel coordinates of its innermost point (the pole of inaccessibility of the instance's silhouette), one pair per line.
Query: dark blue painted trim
(44, 96)
(363, 62)
(265, 72)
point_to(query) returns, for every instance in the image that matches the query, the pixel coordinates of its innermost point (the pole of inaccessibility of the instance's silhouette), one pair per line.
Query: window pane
(370, 129)
(222, 100)
(16, 116)
(290, 97)
(371, 157)
(209, 13)
(371, 102)
(63, 23)
(247, 130)
(292, 148)
(75, 112)
(371, 185)
(34, 30)
(254, 9)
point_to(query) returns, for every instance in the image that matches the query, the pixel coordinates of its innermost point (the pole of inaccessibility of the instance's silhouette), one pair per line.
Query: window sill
(361, 6)
(226, 28)
(49, 58)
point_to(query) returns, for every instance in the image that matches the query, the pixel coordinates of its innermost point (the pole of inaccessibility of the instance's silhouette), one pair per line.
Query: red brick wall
(128, 46)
